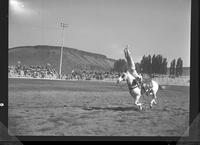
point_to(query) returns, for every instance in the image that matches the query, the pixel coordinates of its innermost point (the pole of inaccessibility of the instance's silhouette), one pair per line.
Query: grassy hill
(72, 58)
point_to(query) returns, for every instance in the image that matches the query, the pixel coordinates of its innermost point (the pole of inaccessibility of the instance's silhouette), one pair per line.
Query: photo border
(194, 83)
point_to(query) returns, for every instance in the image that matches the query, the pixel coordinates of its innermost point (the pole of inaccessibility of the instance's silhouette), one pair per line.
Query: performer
(131, 65)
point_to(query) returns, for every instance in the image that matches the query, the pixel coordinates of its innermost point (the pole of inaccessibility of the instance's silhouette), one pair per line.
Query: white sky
(105, 26)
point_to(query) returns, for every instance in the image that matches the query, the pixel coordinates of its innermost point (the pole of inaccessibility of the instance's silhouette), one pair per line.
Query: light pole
(63, 25)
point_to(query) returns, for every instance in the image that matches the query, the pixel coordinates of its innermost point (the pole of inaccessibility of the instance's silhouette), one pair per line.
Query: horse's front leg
(137, 102)
(153, 101)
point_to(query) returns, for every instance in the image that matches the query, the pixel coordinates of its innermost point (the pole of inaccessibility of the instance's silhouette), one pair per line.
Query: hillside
(72, 58)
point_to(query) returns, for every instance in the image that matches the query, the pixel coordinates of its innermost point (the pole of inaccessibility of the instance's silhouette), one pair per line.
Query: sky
(105, 26)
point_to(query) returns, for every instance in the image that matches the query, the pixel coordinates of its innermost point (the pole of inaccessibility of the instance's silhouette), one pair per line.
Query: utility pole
(63, 25)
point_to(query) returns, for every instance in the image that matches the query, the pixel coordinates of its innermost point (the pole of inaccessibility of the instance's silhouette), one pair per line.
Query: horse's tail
(161, 87)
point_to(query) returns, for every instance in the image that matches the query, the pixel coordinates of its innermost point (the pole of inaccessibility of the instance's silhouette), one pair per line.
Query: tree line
(152, 65)
(176, 68)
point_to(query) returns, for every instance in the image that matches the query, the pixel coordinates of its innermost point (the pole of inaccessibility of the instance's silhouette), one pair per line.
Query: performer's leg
(125, 53)
(131, 64)
(129, 59)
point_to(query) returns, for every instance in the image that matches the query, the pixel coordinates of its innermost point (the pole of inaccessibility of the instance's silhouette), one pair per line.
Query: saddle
(133, 85)
(146, 86)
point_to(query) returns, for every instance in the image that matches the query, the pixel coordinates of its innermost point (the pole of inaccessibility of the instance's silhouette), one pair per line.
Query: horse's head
(123, 77)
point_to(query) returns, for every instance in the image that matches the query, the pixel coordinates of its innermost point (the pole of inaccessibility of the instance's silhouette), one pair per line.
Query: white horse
(136, 91)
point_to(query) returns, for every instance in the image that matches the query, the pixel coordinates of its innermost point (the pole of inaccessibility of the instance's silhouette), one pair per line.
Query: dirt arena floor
(92, 108)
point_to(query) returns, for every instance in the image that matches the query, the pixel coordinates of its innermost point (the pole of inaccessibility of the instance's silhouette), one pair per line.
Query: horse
(136, 90)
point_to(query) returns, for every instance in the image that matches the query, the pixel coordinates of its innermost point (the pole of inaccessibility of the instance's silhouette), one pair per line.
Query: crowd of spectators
(48, 72)
(91, 75)
(32, 71)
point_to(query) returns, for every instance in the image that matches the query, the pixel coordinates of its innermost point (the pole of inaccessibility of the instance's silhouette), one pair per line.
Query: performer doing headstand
(131, 65)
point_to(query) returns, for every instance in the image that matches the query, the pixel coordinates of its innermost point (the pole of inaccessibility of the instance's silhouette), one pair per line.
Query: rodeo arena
(95, 102)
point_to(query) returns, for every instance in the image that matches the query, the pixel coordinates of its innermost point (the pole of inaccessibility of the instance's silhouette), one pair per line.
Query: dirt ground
(89, 108)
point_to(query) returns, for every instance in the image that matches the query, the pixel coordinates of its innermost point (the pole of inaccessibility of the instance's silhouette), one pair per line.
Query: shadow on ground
(112, 108)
